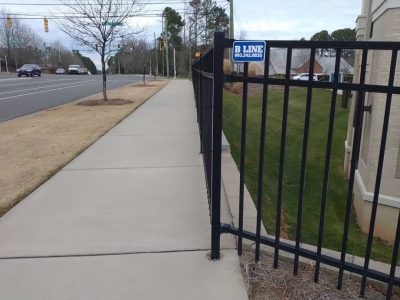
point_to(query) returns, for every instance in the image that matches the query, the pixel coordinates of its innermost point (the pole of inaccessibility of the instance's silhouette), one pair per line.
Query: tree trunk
(103, 70)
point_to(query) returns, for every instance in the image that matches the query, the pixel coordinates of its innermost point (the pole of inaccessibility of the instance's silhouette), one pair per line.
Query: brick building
(379, 21)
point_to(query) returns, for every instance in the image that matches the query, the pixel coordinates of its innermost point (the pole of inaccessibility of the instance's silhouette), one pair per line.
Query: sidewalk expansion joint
(130, 168)
(151, 135)
(108, 254)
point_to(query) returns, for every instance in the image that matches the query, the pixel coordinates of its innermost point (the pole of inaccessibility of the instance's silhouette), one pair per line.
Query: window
(397, 174)
(371, 32)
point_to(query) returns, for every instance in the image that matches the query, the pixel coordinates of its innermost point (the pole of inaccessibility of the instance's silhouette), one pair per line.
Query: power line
(154, 11)
(61, 18)
(151, 12)
(95, 4)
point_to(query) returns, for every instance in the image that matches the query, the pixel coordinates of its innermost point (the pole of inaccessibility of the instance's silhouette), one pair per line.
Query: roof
(299, 58)
(328, 65)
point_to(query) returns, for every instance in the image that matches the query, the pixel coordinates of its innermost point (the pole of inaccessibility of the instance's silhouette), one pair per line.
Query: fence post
(218, 85)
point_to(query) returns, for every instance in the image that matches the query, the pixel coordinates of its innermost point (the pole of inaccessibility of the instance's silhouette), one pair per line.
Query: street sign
(248, 51)
(108, 23)
(16, 41)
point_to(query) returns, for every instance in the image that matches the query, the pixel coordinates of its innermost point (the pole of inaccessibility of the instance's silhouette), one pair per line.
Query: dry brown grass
(263, 282)
(36, 146)
(99, 102)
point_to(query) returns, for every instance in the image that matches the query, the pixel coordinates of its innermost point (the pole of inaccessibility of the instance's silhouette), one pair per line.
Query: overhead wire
(92, 4)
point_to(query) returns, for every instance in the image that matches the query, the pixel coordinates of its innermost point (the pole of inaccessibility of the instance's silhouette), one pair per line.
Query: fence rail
(208, 80)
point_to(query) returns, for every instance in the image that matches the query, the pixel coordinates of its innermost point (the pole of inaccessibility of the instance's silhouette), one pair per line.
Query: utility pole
(6, 63)
(166, 46)
(190, 53)
(231, 27)
(184, 36)
(15, 50)
(155, 50)
(196, 14)
(144, 67)
(119, 64)
(133, 58)
(162, 52)
(125, 63)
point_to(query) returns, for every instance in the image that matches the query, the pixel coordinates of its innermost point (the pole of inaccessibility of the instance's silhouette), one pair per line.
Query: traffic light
(9, 22)
(162, 44)
(46, 25)
(197, 55)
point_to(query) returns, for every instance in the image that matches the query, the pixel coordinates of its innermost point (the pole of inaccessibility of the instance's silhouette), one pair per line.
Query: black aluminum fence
(208, 80)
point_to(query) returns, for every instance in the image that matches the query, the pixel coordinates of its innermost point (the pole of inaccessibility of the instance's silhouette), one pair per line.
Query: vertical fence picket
(327, 164)
(378, 179)
(304, 161)
(354, 162)
(243, 154)
(262, 150)
(218, 85)
(282, 155)
(393, 264)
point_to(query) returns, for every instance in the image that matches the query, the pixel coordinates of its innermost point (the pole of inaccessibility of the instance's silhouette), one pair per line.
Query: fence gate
(208, 81)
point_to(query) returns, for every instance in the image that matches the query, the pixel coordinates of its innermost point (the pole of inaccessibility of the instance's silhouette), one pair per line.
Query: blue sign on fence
(248, 51)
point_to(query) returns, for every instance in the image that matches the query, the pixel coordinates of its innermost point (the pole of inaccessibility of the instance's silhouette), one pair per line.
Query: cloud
(260, 19)
(293, 19)
(276, 26)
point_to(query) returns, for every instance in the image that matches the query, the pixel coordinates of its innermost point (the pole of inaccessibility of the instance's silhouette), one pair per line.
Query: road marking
(28, 94)
(15, 79)
(42, 87)
(43, 81)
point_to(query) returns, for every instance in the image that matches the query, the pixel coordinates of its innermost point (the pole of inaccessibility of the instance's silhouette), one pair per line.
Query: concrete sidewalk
(127, 219)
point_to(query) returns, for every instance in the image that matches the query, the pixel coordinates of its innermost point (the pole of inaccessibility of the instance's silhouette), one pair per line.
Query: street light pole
(155, 50)
(166, 45)
(144, 67)
(15, 51)
(174, 64)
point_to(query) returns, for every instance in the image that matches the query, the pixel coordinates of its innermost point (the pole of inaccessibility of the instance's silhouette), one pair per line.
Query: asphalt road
(22, 96)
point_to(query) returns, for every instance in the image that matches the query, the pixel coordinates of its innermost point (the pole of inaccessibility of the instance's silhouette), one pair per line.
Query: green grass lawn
(338, 184)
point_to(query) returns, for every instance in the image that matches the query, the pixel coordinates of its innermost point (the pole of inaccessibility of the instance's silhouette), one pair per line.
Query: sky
(258, 19)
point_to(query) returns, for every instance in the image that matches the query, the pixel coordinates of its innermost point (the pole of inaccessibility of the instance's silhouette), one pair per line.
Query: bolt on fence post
(218, 85)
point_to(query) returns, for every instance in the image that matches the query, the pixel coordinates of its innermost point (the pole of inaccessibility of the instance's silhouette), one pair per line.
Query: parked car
(74, 69)
(60, 71)
(83, 71)
(29, 70)
(304, 76)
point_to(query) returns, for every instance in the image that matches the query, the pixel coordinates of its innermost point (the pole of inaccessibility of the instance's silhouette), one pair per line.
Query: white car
(304, 76)
(74, 69)
(60, 71)
(83, 71)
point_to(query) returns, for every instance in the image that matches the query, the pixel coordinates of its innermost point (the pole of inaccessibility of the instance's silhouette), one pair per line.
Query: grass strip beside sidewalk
(36, 146)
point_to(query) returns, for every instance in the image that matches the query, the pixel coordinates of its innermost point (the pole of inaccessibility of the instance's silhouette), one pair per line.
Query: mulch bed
(263, 282)
(101, 102)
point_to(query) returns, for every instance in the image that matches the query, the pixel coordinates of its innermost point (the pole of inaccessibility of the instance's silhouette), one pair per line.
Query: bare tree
(21, 43)
(98, 25)
(5, 33)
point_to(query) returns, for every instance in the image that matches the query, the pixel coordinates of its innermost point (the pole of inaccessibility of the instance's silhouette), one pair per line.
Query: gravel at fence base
(263, 282)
